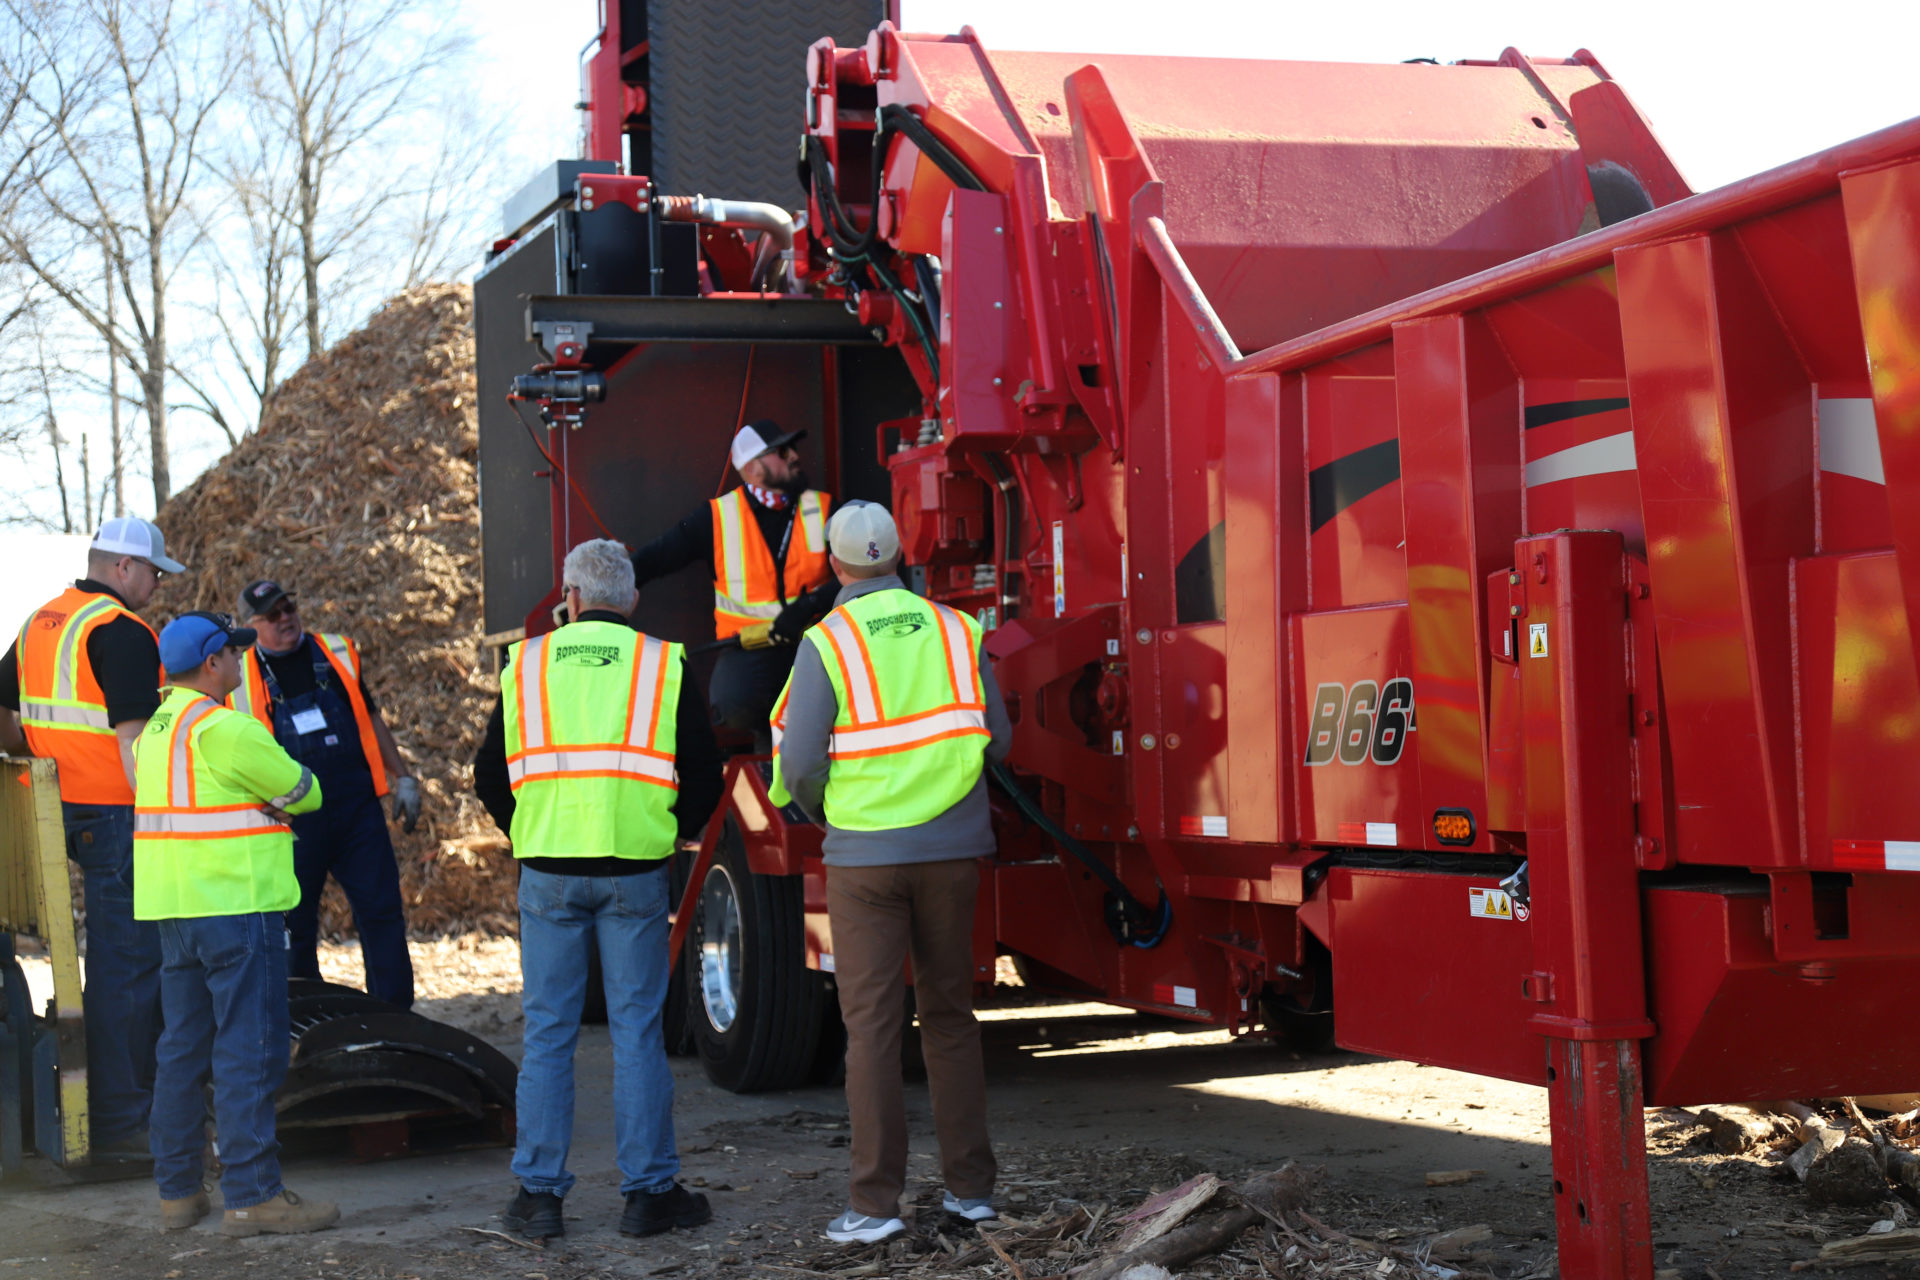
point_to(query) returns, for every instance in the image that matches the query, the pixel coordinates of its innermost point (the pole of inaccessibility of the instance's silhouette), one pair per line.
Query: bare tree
(332, 74)
(116, 116)
(447, 210)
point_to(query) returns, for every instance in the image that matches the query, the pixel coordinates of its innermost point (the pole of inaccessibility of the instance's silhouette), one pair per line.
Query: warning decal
(1489, 904)
(1536, 640)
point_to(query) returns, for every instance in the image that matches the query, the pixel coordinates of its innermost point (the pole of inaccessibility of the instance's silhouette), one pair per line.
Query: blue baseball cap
(192, 638)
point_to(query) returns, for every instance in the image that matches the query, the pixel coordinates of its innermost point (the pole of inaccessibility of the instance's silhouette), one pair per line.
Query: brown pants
(880, 915)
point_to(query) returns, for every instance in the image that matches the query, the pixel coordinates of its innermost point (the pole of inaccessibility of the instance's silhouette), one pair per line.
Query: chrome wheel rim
(720, 952)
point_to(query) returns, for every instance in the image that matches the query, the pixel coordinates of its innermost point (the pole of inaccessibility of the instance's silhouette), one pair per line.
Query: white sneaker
(972, 1210)
(853, 1227)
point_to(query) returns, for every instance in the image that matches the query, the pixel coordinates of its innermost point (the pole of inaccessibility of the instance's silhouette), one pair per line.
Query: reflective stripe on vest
(589, 712)
(251, 699)
(910, 734)
(744, 588)
(62, 708)
(202, 845)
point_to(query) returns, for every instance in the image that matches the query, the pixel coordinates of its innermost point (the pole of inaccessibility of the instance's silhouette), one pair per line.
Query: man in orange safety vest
(84, 677)
(766, 545)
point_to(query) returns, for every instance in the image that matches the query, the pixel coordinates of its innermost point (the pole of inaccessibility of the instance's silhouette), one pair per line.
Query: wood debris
(359, 493)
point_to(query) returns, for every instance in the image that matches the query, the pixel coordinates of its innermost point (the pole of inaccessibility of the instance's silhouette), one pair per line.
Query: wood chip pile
(359, 493)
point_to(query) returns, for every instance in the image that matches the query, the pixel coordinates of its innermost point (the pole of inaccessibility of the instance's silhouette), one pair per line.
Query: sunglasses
(159, 574)
(285, 609)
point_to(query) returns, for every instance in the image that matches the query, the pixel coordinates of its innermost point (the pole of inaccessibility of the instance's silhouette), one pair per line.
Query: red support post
(1584, 899)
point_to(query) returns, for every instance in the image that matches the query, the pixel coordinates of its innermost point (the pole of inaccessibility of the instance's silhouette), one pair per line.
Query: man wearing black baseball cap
(765, 543)
(310, 690)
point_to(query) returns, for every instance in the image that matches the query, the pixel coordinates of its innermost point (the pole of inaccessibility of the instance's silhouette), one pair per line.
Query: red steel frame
(1598, 538)
(1632, 508)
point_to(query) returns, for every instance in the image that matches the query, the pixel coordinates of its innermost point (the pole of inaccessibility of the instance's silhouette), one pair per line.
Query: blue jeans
(347, 836)
(224, 986)
(122, 1001)
(560, 918)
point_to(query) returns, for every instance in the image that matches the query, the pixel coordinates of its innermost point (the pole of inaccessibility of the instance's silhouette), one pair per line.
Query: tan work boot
(178, 1215)
(284, 1215)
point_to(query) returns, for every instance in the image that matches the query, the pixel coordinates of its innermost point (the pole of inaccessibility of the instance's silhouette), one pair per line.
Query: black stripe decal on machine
(1539, 415)
(1337, 485)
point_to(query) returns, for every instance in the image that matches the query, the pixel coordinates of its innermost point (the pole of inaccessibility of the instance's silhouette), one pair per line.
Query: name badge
(312, 720)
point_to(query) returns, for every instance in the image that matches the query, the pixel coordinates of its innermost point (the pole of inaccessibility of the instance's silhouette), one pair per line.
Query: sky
(1729, 96)
(1731, 89)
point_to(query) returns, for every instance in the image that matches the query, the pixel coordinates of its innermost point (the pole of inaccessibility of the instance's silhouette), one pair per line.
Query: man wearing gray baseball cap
(83, 677)
(883, 731)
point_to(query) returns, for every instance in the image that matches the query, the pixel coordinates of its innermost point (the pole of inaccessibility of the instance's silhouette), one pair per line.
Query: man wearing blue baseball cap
(213, 864)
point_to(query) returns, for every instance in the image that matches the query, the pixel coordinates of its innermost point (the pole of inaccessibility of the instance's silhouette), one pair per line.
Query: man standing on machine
(766, 543)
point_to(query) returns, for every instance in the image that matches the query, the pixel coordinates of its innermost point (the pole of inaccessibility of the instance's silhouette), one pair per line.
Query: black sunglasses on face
(158, 573)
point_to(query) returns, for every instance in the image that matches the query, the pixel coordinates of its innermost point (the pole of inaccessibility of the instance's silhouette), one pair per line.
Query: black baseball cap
(260, 596)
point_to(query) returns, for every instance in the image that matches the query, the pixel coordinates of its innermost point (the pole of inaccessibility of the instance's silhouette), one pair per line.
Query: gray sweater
(963, 831)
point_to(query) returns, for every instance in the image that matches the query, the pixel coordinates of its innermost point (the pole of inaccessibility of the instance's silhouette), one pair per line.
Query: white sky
(1731, 89)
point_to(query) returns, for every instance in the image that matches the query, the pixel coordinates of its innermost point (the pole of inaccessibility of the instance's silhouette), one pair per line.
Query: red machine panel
(1441, 962)
(1358, 771)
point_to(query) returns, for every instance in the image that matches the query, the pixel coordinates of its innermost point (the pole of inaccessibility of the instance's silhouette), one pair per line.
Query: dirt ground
(1092, 1106)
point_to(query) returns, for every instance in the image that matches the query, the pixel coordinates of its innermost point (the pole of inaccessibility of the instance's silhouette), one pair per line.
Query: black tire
(676, 1027)
(749, 972)
(1302, 1019)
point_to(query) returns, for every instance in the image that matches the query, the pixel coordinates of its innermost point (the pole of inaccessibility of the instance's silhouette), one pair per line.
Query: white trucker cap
(756, 438)
(132, 536)
(863, 533)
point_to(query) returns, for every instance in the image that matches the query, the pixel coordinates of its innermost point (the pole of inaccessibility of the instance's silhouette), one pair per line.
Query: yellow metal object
(757, 635)
(35, 901)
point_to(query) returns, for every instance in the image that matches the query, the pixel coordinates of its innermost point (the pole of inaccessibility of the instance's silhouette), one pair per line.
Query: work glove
(793, 620)
(760, 635)
(406, 803)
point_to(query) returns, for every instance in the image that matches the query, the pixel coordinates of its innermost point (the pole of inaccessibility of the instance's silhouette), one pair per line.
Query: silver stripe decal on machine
(1849, 440)
(1594, 458)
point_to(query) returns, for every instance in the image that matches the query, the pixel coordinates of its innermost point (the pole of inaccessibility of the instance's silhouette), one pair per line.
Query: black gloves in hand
(792, 623)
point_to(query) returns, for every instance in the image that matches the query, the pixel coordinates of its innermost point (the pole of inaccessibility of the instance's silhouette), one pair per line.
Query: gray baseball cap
(863, 533)
(142, 539)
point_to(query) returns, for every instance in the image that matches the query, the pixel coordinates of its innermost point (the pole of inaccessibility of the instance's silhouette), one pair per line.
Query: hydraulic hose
(1134, 923)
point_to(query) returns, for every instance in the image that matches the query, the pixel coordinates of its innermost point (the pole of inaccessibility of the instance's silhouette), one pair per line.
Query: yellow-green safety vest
(911, 736)
(590, 717)
(201, 844)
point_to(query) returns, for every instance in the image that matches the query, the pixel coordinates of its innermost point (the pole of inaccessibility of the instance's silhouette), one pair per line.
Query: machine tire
(1303, 1020)
(748, 951)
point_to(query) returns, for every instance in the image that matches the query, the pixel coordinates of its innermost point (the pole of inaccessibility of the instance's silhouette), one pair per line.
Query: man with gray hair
(884, 731)
(598, 756)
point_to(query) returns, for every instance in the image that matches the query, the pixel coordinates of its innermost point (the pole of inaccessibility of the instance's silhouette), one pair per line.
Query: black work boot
(650, 1214)
(534, 1215)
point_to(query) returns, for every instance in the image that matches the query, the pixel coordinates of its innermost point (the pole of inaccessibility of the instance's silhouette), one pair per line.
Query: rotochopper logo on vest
(50, 619)
(587, 655)
(896, 626)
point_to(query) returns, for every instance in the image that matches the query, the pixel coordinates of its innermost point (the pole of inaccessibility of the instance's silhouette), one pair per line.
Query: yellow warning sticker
(1536, 640)
(1489, 904)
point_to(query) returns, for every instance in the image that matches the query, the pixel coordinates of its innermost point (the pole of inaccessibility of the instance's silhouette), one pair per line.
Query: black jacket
(696, 757)
(691, 542)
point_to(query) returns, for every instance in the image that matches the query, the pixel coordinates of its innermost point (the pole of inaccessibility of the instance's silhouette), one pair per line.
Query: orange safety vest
(62, 708)
(744, 590)
(344, 656)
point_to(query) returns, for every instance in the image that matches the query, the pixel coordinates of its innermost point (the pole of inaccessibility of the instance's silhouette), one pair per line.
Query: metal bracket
(565, 341)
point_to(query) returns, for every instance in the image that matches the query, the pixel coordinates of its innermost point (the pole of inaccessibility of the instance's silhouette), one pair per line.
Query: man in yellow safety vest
(766, 543)
(884, 731)
(598, 756)
(213, 864)
(84, 676)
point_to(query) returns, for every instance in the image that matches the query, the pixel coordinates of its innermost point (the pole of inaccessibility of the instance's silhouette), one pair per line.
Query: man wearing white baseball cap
(883, 732)
(766, 544)
(83, 677)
